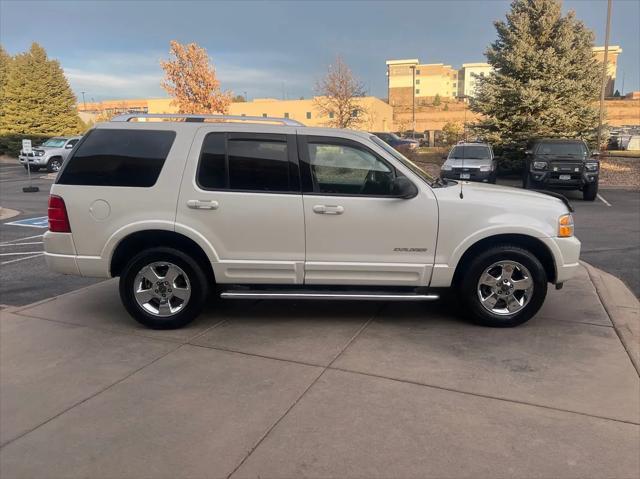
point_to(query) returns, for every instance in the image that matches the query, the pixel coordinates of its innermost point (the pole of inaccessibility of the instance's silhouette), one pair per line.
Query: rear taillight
(58, 218)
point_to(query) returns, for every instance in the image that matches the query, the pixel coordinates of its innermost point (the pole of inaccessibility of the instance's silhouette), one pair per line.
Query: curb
(623, 309)
(6, 213)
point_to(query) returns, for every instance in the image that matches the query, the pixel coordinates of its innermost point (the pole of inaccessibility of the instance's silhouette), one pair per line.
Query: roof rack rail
(198, 118)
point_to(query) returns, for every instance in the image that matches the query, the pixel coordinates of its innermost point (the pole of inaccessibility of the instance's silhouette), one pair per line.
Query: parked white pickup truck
(176, 205)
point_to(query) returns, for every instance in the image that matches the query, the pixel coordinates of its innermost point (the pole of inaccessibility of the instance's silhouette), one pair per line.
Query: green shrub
(12, 144)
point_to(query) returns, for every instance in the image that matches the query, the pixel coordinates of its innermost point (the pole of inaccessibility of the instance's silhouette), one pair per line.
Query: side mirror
(401, 187)
(444, 157)
(68, 146)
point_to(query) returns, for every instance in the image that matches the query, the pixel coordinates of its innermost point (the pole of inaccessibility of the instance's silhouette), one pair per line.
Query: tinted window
(470, 152)
(569, 149)
(213, 172)
(109, 157)
(342, 169)
(254, 163)
(258, 165)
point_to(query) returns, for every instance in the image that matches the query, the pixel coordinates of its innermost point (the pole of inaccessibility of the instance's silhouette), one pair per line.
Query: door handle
(202, 204)
(328, 209)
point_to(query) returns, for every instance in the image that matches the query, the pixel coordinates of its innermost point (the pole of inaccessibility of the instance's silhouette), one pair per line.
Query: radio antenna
(463, 154)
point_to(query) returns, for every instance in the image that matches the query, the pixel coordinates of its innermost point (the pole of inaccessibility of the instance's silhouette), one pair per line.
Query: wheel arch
(137, 241)
(537, 247)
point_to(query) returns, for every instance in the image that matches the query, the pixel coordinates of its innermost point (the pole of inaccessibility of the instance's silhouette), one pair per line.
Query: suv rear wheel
(163, 288)
(504, 286)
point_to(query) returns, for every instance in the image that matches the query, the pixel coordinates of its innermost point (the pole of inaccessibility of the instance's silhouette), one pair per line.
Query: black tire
(468, 287)
(54, 165)
(590, 191)
(197, 280)
(528, 183)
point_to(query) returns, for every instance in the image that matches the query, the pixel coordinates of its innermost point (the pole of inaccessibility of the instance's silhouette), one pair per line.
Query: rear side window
(253, 162)
(109, 157)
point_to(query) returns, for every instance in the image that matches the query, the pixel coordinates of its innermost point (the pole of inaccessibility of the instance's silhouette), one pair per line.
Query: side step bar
(333, 295)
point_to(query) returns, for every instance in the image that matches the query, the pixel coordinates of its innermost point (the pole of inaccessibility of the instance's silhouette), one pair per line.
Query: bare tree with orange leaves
(191, 80)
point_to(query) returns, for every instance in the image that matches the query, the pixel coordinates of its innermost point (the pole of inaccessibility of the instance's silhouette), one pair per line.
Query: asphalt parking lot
(24, 277)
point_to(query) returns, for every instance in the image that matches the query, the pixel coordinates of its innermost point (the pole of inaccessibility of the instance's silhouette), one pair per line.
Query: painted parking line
(601, 198)
(21, 259)
(21, 252)
(20, 239)
(39, 222)
(2, 245)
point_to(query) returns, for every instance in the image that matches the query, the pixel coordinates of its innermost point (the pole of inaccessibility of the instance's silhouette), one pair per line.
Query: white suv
(268, 208)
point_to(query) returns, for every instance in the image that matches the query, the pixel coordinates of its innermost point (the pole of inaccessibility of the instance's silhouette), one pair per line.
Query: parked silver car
(470, 161)
(50, 155)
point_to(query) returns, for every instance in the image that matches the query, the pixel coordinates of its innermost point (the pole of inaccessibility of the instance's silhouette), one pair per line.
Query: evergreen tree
(545, 80)
(37, 99)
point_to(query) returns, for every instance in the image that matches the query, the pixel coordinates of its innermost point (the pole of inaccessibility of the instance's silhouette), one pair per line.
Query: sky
(112, 49)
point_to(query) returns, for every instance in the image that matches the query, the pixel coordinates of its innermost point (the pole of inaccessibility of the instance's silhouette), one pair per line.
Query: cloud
(138, 75)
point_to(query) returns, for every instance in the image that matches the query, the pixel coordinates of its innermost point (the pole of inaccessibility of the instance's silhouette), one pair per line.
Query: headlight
(446, 167)
(39, 153)
(565, 226)
(485, 168)
(539, 165)
(592, 166)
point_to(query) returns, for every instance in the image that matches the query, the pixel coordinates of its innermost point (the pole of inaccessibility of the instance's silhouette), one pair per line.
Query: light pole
(604, 73)
(413, 103)
(84, 103)
(245, 97)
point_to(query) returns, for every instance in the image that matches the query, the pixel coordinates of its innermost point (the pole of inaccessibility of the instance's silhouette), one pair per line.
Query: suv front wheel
(163, 288)
(590, 191)
(504, 286)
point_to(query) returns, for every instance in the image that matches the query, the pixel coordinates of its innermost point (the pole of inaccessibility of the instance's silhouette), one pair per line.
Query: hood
(503, 196)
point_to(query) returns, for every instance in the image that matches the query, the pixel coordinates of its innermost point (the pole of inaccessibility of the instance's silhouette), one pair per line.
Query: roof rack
(199, 118)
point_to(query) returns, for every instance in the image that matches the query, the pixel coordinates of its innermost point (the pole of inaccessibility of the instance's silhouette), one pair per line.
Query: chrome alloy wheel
(505, 288)
(162, 289)
(55, 165)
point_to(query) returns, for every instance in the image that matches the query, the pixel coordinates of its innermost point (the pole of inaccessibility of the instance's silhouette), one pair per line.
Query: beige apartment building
(612, 65)
(378, 115)
(409, 77)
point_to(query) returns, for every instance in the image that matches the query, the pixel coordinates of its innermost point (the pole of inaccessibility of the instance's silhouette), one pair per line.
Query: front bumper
(555, 179)
(566, 254)
(33, 160)
(474, 175)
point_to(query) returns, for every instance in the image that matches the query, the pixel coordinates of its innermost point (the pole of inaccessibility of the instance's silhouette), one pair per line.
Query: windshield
(474, 152)
(55, 142)
(404, 160)
(561, 149)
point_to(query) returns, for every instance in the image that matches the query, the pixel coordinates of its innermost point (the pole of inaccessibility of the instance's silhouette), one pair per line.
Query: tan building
(407, 78)
(612, 65)
(378, 116)
(468, 75)
(114, 107)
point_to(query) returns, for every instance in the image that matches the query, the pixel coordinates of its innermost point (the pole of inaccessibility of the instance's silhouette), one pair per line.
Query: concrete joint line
(82, 401)
(324, 369)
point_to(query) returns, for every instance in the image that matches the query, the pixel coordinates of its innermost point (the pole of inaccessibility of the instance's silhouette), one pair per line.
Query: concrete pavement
(306, 389)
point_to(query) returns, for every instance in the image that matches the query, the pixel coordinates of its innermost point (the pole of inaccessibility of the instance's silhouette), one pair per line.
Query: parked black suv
(562, 163)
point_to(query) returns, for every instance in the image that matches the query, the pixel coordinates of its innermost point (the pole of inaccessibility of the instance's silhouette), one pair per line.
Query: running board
(334, 295)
